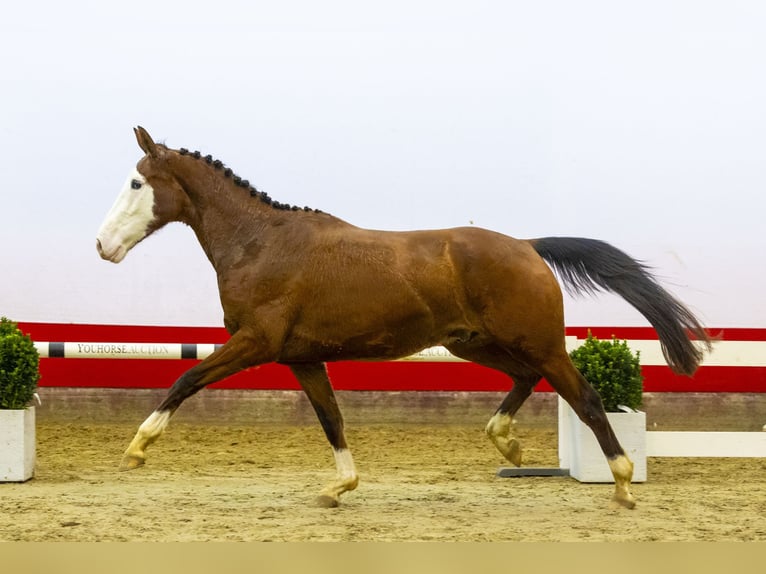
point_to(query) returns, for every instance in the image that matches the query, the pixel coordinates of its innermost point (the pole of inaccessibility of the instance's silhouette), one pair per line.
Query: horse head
(150, 198)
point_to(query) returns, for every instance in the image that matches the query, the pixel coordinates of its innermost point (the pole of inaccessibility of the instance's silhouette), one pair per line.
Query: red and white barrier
(737, 363)
(724, 353)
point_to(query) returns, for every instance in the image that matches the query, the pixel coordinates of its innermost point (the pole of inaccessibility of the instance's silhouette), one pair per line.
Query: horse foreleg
(313, 378)
(346, 479)
(238, 353)
(149, 431)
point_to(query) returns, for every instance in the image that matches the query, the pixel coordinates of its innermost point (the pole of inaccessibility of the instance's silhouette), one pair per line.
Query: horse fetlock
(330, 496)
(622, 470)
(499, 432)
(499, 425)
(351, 483)
(343, 484)
(151, 429)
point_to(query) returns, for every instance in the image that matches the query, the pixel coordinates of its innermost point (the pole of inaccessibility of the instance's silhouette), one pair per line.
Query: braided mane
(243, 183)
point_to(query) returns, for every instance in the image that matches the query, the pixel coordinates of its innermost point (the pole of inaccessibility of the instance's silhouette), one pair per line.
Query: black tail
(588, 265)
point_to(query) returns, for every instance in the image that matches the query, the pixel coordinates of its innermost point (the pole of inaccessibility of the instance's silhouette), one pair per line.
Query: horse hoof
(326, 501)
(130, 462)
(625, 501)
(511, 450)
(513, 454)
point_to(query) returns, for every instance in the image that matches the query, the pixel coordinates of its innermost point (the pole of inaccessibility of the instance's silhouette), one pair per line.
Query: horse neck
(227, 221)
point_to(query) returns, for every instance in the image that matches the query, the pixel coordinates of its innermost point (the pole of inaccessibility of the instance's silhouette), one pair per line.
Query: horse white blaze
(128, 220)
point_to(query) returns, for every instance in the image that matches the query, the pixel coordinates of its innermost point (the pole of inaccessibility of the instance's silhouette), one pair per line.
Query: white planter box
(17, 445)
(580, 452)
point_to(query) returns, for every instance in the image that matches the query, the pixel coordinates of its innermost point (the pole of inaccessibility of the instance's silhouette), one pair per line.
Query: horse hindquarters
(523, 335)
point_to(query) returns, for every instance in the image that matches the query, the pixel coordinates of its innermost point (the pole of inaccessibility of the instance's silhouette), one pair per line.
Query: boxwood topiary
(613, 370)
(19, 366)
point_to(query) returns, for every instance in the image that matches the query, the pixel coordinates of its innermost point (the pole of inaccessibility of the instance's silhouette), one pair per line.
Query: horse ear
(145, 142)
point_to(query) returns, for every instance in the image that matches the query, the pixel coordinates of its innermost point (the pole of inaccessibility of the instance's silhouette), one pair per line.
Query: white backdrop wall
(641, 124)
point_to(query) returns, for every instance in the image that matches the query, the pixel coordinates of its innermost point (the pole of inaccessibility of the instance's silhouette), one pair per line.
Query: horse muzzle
(112, 253)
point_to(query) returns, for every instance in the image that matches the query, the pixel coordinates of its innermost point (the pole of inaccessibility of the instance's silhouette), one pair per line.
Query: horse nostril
(98, 246)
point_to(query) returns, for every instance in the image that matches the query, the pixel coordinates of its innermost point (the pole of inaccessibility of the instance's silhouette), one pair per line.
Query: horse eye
(135, 184)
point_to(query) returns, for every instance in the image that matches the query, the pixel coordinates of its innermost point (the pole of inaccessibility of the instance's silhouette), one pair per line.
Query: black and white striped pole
(53, 350)
(125, 350)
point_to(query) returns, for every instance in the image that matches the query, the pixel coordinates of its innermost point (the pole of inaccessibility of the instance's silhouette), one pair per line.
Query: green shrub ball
(613, 370)
(19, 367)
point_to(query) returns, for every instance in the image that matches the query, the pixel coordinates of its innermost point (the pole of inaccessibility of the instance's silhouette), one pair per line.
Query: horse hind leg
(584, 400)
(499, 427)
(555, 365)
(316, 384)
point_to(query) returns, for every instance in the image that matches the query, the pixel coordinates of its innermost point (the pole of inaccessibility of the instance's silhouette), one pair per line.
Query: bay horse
(301, 288)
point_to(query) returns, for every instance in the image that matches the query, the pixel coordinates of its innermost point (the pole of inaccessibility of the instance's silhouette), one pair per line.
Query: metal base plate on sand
(516, 472)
